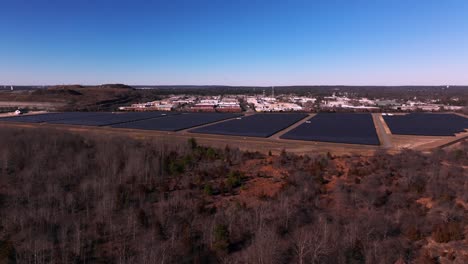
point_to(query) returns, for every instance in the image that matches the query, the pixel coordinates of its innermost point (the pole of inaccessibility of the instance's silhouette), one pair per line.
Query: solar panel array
(425, 124)
(258, 125)
(49, 117)
(338, 128)
(106, 118)
(177, 122)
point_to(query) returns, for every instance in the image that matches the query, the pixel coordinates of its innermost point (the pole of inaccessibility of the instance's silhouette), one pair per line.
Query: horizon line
(265, 86)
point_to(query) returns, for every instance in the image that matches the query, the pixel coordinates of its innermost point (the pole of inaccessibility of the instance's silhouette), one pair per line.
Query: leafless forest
(69, 198)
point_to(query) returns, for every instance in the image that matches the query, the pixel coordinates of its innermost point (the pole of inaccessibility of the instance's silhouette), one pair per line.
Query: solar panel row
(258, 125)
(106, 119)
(426, 124)
(177, 122)
(49, 117)
(338, 128)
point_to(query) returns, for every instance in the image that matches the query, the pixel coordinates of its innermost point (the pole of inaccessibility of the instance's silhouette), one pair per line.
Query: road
(382, 131)
(286, 130)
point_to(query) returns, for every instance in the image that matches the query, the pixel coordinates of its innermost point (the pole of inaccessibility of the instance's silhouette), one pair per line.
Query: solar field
(49, 117)
(424, 124)
(350, 128)
(338, 128)
(177, 122)
(258, 125)
(106, 118)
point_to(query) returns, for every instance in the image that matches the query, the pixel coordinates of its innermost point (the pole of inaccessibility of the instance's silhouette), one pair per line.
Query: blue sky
(234, 42)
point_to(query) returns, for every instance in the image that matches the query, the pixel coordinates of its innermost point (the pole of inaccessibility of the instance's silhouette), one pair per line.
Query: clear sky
(234, 42)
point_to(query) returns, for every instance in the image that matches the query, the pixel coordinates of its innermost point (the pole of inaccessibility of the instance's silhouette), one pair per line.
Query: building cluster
(271, 104)
(377, 104)
(414, 105)
(149, 106)
(285, 103)
(216, 104)
(189, 103)
(168, 104)
(348, 103)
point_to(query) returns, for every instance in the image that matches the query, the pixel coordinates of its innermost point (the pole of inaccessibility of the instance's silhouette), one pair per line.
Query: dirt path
(209, 124)
(383, 132)
(286, 130)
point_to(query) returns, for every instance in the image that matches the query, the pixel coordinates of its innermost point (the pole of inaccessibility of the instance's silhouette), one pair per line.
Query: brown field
(70, 97)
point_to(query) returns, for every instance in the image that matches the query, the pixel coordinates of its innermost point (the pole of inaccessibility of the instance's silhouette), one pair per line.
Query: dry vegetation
(76, 97)
(69, 198)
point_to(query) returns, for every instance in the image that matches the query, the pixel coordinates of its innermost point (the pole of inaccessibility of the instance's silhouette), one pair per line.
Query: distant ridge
(102, 86)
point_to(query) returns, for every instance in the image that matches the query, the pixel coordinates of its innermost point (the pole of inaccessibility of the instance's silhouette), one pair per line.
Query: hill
(76, 97)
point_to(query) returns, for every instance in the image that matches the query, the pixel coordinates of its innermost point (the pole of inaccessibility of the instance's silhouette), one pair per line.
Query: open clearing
(392, 143)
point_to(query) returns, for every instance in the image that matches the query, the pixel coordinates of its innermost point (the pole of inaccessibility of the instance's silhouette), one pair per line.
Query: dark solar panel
(40, 118)
(337, 127)
(177, 122)
(258, 125)
(426, 124)
(106, 118)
